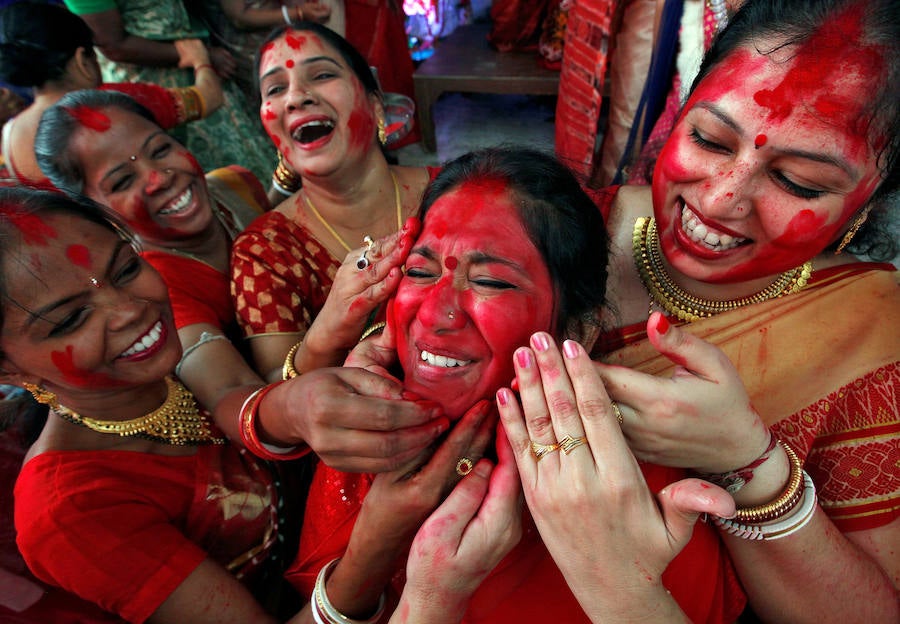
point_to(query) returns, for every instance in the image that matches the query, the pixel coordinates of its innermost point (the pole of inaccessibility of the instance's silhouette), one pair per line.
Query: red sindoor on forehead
(90, 118)
(34, 230)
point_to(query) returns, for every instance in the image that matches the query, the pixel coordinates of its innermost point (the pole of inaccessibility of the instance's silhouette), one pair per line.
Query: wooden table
(464, 62)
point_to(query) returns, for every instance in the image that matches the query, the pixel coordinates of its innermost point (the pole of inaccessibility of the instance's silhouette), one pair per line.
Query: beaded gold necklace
(333, 232)
(178, 421)
(684, 305)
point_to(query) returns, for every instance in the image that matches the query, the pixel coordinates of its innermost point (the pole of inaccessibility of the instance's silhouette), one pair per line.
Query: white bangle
(798, 518)
(324, 612)
(286, 14)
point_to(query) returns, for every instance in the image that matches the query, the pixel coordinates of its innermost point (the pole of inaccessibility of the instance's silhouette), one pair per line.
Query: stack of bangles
(790, 511)
(247, 427)
(322, 609)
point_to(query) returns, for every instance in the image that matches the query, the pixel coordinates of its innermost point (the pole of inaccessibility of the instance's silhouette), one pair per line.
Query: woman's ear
(10, 375)
(86, 66)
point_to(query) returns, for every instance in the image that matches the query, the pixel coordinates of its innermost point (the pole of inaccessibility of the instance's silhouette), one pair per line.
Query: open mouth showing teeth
(313, 131)
(179, 203)
(700, 233)
(146, 341)
(442, 360)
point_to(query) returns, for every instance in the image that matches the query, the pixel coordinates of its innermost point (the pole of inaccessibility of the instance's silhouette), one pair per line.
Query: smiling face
(314, 108)
(89, 315)
(769, 161)
(475, 289)
(132, 166)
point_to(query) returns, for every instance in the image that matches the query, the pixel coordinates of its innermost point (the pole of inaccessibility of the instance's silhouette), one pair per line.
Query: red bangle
(203, 66)
(250, 437)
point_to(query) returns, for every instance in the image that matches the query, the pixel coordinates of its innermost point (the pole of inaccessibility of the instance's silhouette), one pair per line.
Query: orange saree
(822, 367)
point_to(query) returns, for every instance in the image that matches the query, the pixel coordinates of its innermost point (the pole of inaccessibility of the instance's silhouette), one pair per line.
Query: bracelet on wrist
(733, 480)
(790, 523)
(784, 502)
(285, 14)
(288, 371)
(299, 13)
(248, 417)
(204, 66)
(324, 612)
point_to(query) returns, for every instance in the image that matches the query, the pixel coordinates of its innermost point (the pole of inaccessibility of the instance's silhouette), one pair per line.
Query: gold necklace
(337, 236)
(684, 305)
(178, 421)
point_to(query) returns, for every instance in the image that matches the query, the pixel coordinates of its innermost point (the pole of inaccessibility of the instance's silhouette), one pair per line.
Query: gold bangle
(377, 328)
(288, 371)
(784, 502)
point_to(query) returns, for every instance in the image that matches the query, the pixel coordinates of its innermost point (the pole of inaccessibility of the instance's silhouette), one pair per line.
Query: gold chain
(337, 236)
(178, 421)
(684, 305)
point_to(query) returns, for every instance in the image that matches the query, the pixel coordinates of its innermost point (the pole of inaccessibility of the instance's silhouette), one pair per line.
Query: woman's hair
(37, 40)
(59, 123)
(772, 25)
(351, 55)
(19, 206)
(561, 220)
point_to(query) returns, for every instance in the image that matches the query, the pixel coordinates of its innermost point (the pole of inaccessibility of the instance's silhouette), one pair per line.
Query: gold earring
(42, 395)
(382, 137)
(284, 177)
(853, 230)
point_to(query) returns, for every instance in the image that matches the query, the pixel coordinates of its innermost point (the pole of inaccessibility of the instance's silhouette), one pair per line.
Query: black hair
(561, 220)
(354, 59)
(18, 203)
(781, 23)
(37, 40)
(58, 124)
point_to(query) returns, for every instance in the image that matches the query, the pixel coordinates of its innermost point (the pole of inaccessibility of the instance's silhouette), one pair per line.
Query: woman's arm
(247, 17)
(701, 418)
(121, 47)
(192, 53)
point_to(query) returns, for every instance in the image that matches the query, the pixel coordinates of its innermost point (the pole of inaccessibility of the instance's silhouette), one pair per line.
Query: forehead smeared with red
(833, 73)
(90, 118)
(33, 229)
(293, 41)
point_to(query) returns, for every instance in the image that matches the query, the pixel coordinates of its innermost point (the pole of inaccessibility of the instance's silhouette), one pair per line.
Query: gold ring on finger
(568, 443)
(618, 412)
(542, 450)
(464, 466)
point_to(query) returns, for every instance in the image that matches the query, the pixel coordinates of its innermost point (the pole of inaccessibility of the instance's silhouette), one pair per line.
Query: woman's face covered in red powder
(475, 289)
(770, 158)
(314, 108)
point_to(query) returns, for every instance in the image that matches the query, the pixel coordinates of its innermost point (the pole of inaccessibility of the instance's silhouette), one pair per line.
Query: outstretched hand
(462, 541)
(609, 535)
(699, 418)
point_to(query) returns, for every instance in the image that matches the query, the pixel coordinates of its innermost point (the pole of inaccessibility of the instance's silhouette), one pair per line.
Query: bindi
(451, 262)
(79, 255)
(760, 141)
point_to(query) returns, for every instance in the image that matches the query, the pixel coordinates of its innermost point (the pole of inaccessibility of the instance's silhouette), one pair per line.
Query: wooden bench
(464, 62)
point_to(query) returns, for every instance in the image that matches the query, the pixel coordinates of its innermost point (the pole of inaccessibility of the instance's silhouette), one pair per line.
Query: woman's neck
(116, 404)
(211, 246)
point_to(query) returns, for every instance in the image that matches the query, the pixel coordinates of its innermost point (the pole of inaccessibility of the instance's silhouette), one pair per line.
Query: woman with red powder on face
(780, 165)
(510, 245)
(304, 284)
(48, 48)
(105, 146)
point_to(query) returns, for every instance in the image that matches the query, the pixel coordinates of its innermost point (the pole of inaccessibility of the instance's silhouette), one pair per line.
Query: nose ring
(450, 315)
(167, 171)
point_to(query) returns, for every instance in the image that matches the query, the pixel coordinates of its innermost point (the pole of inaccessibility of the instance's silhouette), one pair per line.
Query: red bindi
(451, 262)
(79, 255)
(760, 141)
(289, 63)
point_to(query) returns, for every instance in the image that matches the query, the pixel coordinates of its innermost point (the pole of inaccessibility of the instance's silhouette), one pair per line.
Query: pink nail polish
(523, 357)
(502, 398)
(570, 348)
(540, 342)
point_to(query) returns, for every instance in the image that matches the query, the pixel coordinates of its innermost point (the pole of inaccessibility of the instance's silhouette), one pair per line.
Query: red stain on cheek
(195, 166)
(65, 363)
(451, 262)
(33, 229)
(805, 227)
(79, 255)
(269, 115)
(760, 140)
(90, 118)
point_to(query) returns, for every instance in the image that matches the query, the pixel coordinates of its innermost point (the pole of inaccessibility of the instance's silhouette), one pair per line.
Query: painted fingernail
(570, 348)
(483, 468)
(523, 357)
(540, 342)
(662, 326)
(502, 397)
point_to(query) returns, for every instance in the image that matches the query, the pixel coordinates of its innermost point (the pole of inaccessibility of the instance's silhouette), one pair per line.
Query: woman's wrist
(769, 479)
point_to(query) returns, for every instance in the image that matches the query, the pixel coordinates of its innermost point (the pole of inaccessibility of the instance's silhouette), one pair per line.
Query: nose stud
(95, 282)
(450, 315)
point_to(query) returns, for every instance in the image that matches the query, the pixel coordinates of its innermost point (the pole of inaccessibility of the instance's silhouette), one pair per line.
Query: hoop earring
(42, 395)
(857, 223)
(284, 178)
(382, 137)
